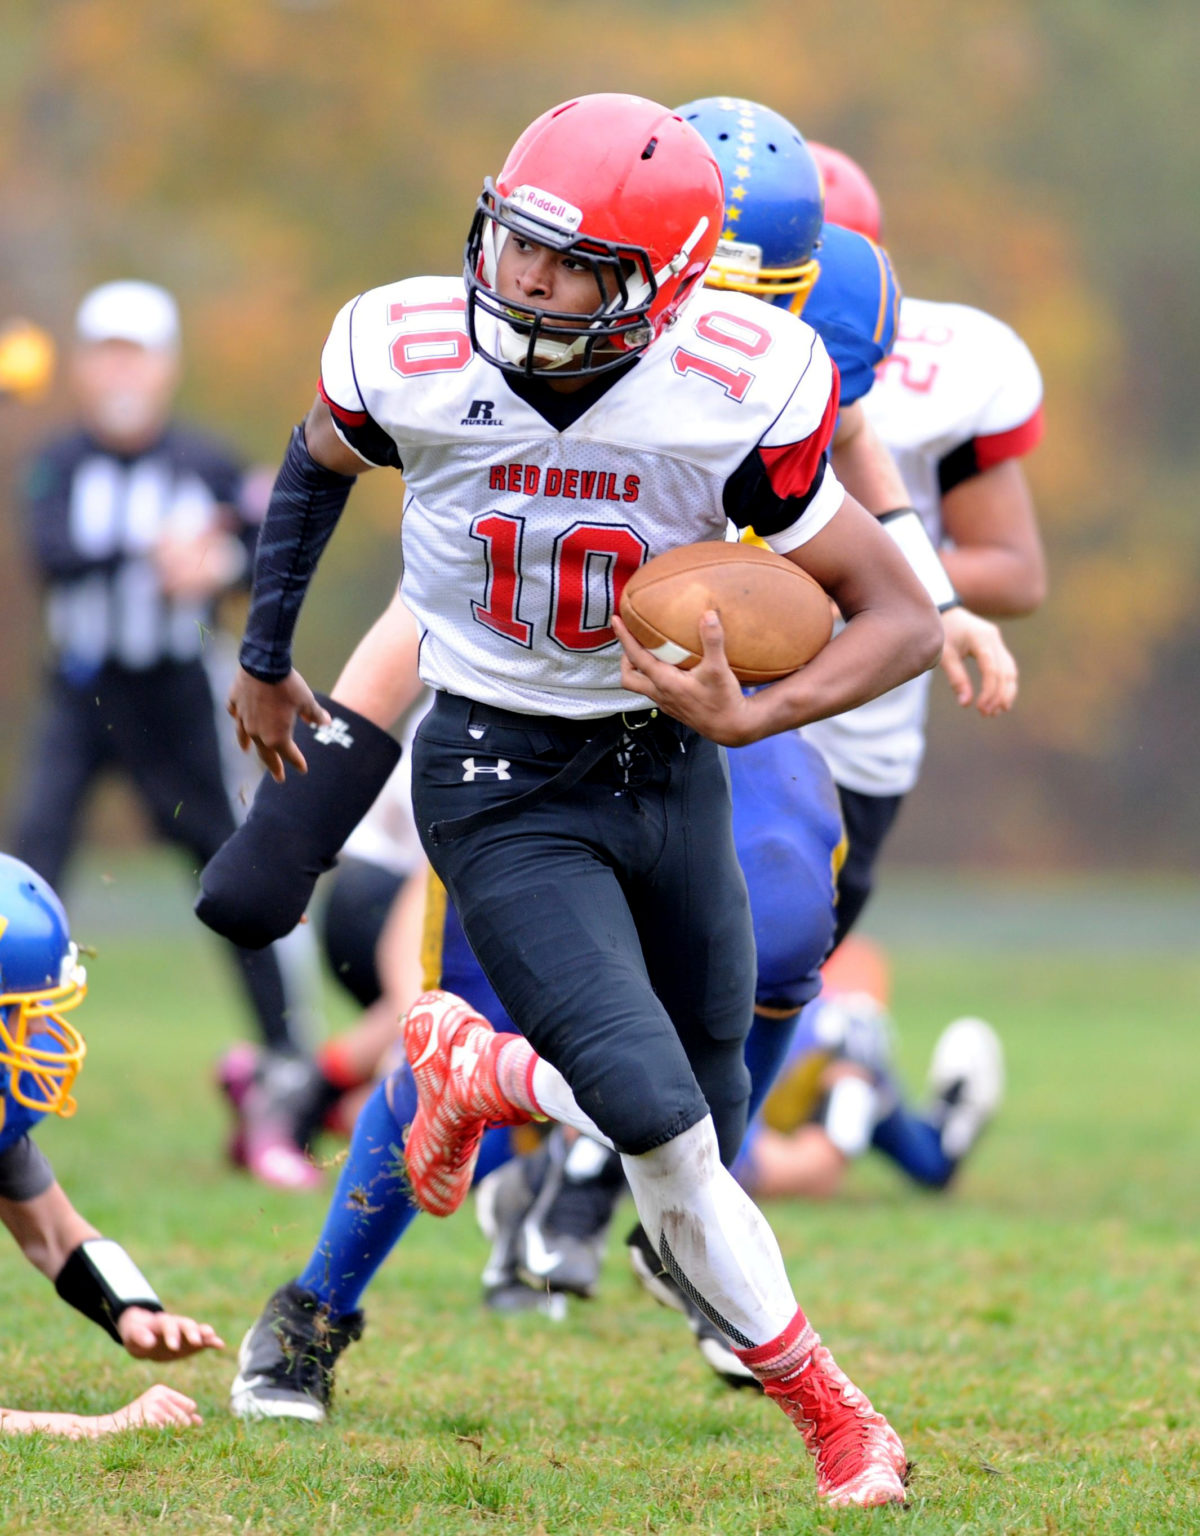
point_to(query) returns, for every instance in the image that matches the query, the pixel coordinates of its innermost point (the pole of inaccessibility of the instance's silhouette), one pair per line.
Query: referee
(135, 531)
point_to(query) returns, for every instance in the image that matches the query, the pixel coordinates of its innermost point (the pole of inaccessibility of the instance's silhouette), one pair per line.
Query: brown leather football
(775, 616)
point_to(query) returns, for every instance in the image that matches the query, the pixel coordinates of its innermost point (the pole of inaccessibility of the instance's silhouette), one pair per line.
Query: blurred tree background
(266, 159)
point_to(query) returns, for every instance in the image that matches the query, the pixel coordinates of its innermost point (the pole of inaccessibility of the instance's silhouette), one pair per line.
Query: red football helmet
(850, 199)
(628, 189)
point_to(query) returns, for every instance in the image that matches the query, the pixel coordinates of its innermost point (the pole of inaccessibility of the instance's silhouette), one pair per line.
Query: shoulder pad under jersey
(854, 306)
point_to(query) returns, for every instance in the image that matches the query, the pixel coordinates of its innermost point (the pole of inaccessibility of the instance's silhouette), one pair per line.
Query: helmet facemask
(532, 340)
(43, 1053)
(738, 267)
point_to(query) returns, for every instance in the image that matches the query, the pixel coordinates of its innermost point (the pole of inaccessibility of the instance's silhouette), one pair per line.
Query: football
(775, 616)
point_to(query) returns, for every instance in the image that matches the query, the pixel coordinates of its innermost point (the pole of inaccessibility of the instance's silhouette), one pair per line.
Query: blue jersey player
(41, 1053)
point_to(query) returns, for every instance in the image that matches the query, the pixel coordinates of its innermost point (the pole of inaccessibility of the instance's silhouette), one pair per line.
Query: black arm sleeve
(306, 502)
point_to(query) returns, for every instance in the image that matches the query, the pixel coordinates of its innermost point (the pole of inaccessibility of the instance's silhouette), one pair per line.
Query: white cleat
(966, 1083)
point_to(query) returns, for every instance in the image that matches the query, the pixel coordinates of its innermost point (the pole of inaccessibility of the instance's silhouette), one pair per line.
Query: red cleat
(860, 1460)
(452, 1052)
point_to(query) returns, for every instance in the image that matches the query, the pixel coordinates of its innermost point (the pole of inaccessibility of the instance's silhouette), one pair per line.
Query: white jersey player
(518, 529)
(572, 407)
(959, 395)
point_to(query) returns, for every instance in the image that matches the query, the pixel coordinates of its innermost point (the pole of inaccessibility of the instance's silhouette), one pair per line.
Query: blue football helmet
(40, 980)
(774, 200)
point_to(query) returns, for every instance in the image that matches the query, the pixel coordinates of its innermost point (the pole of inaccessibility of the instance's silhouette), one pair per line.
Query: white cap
(129, 311)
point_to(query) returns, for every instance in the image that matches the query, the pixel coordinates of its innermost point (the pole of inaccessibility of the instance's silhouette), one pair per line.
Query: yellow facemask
(41, 1075)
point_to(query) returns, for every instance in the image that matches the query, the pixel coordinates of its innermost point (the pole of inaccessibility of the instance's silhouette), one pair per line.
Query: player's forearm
(879, 649)
(306, 503)
(996, 582)
(16, 1421)
(47, 1229)
(864, 464)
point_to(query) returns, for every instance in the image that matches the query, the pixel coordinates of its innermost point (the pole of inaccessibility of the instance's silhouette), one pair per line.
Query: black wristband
(256, 886)
(100, 1280)
(306, 502)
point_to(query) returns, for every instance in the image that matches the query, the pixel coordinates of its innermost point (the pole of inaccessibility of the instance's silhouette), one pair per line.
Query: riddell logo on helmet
(738, 253)
(548, 207)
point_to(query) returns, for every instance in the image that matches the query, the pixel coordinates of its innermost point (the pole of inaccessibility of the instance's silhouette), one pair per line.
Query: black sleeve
(25, 1171)
(751, 501)
(364, 434)
(306, 502)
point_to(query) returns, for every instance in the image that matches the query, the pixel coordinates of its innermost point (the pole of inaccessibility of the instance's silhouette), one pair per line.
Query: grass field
(1033, 1336)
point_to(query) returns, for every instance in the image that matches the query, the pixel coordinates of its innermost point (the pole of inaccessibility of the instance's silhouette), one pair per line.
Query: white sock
(711, 1236)
(554, 1098)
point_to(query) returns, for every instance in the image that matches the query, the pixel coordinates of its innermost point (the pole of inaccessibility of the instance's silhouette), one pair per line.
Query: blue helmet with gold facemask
(774, 200)
(40, 980)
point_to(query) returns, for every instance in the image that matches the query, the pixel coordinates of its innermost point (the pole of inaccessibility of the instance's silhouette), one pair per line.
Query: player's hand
(164, 1336)
(156, 1408)
(709, 697)
(265, 714)
(967, 635)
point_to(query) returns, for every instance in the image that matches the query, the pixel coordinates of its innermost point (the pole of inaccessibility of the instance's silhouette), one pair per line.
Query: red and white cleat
(452, 1052)
(860, 1460)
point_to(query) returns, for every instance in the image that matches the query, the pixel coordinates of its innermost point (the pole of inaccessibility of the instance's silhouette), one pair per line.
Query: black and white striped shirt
(94, 518)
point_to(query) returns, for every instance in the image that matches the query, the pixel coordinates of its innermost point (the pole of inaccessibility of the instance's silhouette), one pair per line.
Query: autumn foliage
(267, 160)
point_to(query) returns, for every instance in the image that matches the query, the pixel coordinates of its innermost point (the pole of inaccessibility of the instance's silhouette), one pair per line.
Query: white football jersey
(518, 535)
(959, 394)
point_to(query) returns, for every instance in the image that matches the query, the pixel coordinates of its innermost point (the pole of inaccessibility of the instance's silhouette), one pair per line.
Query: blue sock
(766, 1050)
(371, 1210)
(916, 1146)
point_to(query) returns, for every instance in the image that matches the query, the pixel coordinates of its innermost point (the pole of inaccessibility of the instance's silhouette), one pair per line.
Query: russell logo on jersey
(482, 414)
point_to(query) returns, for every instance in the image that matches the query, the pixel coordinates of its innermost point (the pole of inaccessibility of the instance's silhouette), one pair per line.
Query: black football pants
(868, 820)
(611, 918)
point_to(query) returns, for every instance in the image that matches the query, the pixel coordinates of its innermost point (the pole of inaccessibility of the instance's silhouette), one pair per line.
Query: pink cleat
(235, 1076)
(860, 1460)
(272, 1159)
(452, 1052)
(262, 1142)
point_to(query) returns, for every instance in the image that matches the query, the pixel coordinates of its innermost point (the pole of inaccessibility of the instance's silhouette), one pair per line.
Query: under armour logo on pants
(472, 769)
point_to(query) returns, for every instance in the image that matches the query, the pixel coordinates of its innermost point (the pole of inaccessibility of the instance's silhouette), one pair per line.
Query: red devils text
(574, 484)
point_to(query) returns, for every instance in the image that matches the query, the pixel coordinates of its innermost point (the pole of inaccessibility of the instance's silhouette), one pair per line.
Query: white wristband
(850, 1115)
(908, 532)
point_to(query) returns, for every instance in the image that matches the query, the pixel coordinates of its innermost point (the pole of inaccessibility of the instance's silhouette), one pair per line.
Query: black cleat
(562, 1237)
(654, 1278)
(502, 1201)
(286, 1362)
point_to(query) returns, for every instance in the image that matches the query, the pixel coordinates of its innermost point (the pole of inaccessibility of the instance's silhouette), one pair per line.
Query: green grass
(1032, 1335)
